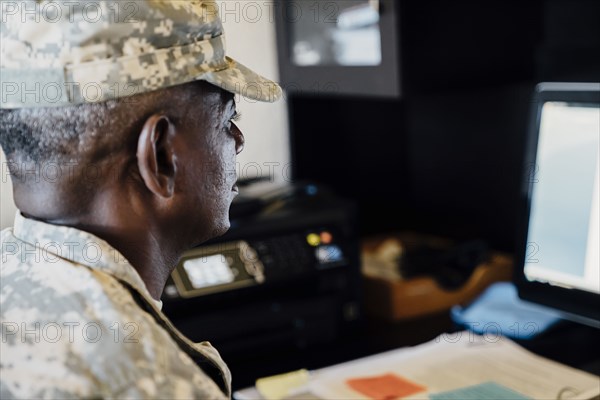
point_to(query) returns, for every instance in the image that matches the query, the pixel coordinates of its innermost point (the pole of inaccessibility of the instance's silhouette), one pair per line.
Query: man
(118, 130)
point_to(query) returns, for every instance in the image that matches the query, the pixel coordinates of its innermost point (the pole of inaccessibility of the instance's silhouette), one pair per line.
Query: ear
(155, 155)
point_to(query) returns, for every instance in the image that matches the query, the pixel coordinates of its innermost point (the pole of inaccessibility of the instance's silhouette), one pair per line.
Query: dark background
(447, 157)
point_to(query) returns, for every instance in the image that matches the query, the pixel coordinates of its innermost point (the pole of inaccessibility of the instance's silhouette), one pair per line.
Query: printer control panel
(235, 264)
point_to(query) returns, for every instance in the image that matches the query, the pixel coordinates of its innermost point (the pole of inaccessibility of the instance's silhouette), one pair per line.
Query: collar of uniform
(80, 247)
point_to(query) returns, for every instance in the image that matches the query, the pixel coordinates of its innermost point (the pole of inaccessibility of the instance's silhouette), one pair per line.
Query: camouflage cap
(57, 53)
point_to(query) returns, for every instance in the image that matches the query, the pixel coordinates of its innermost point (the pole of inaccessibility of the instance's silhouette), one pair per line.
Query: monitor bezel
(574, 304)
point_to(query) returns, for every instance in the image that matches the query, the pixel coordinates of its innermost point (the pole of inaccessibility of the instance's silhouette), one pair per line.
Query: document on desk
(459, 364)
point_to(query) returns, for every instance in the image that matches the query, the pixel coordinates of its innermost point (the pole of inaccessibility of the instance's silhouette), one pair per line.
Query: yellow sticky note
(278, 387)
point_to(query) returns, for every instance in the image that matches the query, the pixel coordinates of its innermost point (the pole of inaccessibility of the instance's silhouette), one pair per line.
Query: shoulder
(5, 232)
(78, 332)
(52, 325)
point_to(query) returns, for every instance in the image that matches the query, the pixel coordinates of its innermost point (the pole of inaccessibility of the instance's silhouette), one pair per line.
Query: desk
(568, 343)
(459, 362)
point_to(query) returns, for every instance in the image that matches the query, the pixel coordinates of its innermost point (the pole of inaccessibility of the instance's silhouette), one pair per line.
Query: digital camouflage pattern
(78, 322)
(56, 53)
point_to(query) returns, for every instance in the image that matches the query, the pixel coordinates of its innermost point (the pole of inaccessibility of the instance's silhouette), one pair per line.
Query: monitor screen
(337, 33)
(562, 239)
(339, 48)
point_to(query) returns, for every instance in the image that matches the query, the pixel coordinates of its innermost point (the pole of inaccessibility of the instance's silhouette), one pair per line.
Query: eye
(231, 123)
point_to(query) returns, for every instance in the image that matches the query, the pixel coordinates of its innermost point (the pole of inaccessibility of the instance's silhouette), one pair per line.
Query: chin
(223, 229)
(220, 228)
(214, 223)
(215, 233)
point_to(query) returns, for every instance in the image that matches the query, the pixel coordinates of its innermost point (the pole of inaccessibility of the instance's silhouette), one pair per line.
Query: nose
(239, 139)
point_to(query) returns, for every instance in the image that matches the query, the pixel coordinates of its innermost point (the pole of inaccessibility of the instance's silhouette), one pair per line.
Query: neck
(152, 256)
(129, 227)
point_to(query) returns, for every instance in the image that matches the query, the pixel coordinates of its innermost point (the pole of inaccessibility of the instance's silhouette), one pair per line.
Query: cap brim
(239, 79)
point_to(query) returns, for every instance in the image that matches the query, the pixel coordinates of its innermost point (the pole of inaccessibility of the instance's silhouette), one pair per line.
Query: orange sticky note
(384, 387)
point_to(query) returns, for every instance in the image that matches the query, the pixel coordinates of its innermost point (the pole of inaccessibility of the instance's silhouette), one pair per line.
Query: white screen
(208, 271)
(564, 237)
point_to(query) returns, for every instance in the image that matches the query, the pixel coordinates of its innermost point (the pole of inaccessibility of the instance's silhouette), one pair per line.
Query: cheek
(227, 162)
(221, 194)
(222, 176)
(231, 169)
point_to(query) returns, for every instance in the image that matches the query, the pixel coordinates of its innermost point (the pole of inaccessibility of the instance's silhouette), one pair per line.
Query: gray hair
(43, 134)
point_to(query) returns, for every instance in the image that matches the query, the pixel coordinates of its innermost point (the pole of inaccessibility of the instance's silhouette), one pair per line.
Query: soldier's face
(207, 165)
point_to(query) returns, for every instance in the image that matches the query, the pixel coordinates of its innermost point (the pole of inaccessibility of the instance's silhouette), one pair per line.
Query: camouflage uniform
(78, 322)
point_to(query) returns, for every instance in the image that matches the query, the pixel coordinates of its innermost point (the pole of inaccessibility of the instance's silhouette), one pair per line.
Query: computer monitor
(341, 47)
(559, 236)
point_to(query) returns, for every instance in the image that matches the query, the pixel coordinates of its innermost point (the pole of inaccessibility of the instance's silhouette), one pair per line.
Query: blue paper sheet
(499, 310)
(483, 391)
